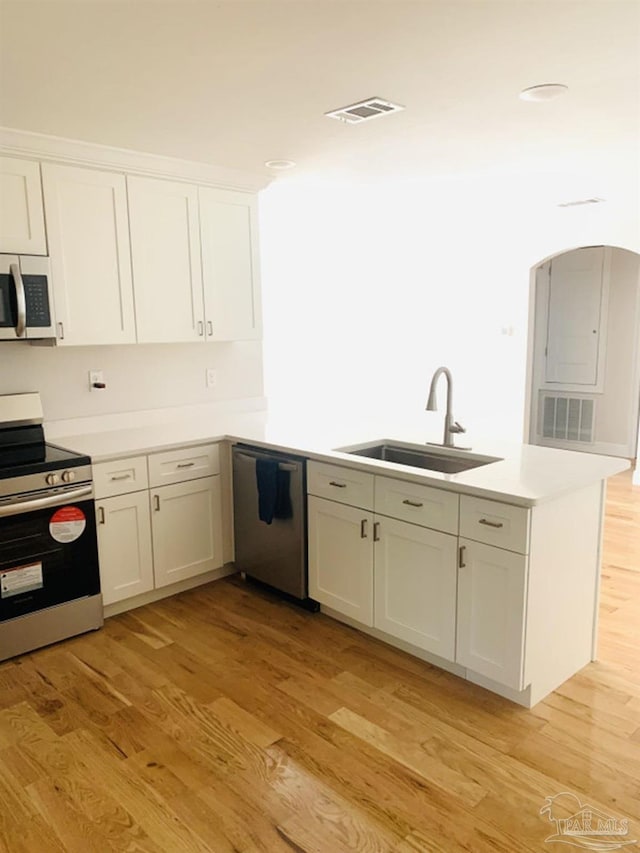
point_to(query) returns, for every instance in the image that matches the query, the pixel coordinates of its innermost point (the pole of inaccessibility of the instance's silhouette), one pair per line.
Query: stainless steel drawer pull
(461, 562)
(121, 476)
(488, 523)
(100, 515)
(363, 528)
(412, 503)
(376, 531)
(337, 485)
(185, 464)
(156, 502)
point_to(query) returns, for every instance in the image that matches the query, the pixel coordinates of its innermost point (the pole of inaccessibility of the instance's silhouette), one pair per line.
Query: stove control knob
(52, 479)
(68, 476)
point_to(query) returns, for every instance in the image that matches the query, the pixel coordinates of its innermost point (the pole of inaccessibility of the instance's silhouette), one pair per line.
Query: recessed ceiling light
(280, 164)
(544, 92)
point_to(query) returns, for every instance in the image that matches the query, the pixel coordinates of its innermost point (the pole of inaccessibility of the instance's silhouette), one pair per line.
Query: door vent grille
(568, 418)
(364, 110)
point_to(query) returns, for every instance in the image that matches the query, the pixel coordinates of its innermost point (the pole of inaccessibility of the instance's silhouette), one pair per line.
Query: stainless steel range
(49, 573)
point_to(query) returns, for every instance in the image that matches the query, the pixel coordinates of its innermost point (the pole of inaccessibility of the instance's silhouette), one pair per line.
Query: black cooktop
(32, 459)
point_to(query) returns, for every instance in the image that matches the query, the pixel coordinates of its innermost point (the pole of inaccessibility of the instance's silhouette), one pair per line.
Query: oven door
(48, 551)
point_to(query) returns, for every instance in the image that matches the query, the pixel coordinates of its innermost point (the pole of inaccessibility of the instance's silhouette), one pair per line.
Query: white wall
(138, 377)
(368, 289)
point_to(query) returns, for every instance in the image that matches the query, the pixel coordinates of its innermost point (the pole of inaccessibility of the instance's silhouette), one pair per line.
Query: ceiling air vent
(594, 200)
(364, 110)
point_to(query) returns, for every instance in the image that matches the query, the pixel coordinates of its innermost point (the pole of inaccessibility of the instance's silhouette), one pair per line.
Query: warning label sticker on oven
(20, 579)
(67, 524)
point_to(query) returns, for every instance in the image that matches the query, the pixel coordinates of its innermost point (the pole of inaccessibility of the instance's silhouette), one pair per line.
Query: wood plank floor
(223, 720)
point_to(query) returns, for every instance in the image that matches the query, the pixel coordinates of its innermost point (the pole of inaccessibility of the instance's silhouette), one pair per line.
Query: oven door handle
(21, 300)
(32, 504)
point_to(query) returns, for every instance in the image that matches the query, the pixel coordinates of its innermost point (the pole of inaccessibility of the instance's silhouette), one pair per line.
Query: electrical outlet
(96, 380)
(212, 377)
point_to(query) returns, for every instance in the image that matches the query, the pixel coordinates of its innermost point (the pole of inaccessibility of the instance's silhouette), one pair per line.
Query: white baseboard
(166, 591)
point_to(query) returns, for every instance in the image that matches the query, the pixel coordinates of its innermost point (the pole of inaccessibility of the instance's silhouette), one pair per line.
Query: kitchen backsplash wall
(137, 377)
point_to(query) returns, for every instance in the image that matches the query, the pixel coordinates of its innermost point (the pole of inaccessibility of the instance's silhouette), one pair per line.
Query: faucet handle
(456, 427)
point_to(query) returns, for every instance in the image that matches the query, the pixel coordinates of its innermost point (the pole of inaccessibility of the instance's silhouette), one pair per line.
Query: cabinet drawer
(176, 466)
(120, 476)
(344, 485)
(423, 505)
(494, 523)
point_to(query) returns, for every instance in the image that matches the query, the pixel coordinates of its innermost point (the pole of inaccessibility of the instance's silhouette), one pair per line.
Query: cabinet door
(341, 558)
(415, 585)
(124, 546)
(187, 529)
(578, 298)
(491, 612)
(21, 212)
(165, 252)
(90, 258)
(228, 230)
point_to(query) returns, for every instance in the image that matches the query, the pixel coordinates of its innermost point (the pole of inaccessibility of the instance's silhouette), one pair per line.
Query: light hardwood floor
(223, 720)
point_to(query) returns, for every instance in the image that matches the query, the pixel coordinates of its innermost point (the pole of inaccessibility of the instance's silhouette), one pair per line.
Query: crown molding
(39, 146)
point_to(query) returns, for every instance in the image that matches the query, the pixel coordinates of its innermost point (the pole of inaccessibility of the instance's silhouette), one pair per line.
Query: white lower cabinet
(187, 529)
(341, 558)
(357, 558)
(492, 586)
(124, 543)
(415, 585)
(152, 535)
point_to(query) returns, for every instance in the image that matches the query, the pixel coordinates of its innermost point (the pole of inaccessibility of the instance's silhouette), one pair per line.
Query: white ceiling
(238, 82)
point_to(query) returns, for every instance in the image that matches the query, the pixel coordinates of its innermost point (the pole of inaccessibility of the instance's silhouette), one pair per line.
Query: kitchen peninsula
(491, 573)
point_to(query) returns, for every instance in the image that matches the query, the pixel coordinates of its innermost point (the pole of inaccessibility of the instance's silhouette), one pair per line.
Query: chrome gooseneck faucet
(451, 427)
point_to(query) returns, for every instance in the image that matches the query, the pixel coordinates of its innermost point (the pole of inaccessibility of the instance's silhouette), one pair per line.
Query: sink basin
(416, 457)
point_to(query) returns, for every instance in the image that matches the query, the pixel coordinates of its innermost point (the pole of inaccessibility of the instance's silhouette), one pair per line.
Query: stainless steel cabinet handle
(209, 328)
(61, 330)
(376, 531)
(200, 328)
(156, 503)
(461, 562)
(337, 485)
(185, 464)
(412, 503)
(100, 515)
(121, 476)
(21, 301)
(363, 528)
(488, 523)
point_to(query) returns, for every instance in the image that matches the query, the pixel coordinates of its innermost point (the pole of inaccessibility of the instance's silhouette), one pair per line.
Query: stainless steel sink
(416, 457)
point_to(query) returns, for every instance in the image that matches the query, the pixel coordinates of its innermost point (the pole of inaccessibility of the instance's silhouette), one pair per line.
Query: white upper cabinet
(228, 230)
(165, 252)
(21, 213)
(88, 230)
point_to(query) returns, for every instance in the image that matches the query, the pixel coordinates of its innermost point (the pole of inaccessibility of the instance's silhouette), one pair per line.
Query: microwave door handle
(21, 301)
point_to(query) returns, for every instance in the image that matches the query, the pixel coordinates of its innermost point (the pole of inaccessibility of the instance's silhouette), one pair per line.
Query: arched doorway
(583, 371)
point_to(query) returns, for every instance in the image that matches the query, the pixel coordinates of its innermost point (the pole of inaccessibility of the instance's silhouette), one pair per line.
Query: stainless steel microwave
(26, 304)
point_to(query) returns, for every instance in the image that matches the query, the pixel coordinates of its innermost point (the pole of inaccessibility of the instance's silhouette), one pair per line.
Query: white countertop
(525, 475)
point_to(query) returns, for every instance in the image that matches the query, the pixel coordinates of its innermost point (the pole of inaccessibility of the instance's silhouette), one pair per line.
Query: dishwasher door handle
(283, 466)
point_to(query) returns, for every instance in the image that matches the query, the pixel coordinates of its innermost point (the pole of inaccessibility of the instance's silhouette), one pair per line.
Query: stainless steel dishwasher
(275, 553)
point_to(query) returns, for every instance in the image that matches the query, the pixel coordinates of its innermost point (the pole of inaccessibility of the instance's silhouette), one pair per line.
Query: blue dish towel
(274, 498)
(267, 479)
